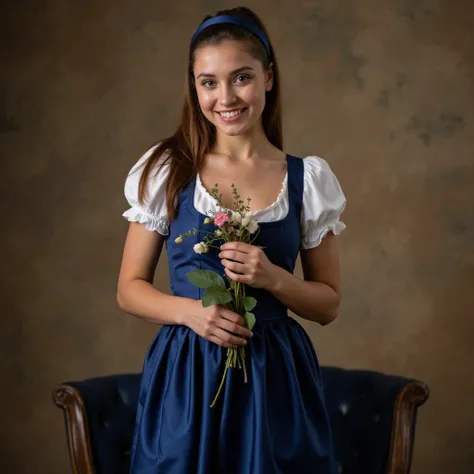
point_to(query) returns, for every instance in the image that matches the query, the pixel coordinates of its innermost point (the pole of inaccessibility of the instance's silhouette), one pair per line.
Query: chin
(232, 133)
(236, 129)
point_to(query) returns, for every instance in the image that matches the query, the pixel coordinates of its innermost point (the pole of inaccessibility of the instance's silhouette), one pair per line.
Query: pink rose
(221, 218)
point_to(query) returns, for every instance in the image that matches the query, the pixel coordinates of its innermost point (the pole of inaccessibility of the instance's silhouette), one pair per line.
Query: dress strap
(295, 183)
(187, 193)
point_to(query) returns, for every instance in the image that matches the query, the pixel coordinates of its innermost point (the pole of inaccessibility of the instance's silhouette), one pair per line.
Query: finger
(232, 316)
(236, 277)
(234, 266)
(234, 255)
(240, 246)
(229, 338)
(234, 328)
(222, 343)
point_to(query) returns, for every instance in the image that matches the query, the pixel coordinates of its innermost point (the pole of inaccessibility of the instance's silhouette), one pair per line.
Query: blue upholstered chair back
(373, 417)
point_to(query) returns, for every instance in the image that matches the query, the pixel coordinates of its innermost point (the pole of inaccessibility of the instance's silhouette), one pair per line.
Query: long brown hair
(187, 148)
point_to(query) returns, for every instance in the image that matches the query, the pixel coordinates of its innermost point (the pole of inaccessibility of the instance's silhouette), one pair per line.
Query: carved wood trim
(410, 397)
(80, 454)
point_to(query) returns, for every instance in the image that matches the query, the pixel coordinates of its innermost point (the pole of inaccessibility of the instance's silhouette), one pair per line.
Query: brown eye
(207, 83)
(242, 78)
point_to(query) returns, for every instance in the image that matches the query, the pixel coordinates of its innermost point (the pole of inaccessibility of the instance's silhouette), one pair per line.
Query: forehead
(222, 58)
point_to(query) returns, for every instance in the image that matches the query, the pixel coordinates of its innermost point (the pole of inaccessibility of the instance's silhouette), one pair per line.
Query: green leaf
(249, 319)
(205, 278)
(215, 295)
(249, 303)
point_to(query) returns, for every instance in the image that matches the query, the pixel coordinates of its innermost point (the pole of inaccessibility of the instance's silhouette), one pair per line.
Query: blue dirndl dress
(277, 422)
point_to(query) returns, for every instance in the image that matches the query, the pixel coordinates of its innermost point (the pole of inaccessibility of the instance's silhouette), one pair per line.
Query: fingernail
(245, 342)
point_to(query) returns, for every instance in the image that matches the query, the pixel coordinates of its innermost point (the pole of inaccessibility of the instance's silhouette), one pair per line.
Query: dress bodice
(280, 239)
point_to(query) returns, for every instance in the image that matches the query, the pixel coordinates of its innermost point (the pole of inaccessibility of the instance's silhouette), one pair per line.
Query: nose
(227, 95)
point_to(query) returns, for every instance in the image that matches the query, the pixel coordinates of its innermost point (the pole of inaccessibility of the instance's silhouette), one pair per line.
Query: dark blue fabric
(276, 423)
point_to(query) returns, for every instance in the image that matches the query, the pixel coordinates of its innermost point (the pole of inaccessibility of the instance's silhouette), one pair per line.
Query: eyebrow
(235, 71)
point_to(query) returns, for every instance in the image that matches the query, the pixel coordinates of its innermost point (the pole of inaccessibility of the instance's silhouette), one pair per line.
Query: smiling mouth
(232, 114)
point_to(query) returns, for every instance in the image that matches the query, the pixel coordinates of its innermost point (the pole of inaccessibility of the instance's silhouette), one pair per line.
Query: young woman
(231, 133)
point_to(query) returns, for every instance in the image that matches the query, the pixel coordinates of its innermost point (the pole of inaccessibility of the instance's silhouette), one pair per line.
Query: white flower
(178, 240)
(208, 220)
(201, 247)
(235, 218)
(246, 221)
(252, 227)
(218, 232)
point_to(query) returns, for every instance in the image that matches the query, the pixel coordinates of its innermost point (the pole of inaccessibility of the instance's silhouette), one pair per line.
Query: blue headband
(235, 20)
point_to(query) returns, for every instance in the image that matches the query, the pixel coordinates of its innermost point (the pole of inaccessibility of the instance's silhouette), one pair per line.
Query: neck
(250, 145)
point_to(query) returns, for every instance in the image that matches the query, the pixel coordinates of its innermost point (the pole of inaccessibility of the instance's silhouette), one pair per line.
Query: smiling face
(231, 85)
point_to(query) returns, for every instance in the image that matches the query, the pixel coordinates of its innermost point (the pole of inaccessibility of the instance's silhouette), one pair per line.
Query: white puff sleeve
(323, 203)
(153, 211)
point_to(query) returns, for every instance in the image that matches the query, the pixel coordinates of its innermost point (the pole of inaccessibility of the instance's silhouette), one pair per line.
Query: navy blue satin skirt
(276, 423)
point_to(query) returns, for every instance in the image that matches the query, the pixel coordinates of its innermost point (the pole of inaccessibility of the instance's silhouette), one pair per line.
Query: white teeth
(230, 114)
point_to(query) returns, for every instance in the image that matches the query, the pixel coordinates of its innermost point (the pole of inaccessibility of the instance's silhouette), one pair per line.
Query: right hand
(219, 325)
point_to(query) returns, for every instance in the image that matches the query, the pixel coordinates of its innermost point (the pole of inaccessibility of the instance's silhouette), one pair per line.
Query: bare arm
(136, 294)
(315, 298)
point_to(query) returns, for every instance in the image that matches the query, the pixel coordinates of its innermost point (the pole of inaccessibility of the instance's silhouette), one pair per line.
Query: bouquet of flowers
(231, 226)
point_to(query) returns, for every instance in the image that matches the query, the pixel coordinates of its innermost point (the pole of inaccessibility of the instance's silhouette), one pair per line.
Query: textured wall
(383, 90)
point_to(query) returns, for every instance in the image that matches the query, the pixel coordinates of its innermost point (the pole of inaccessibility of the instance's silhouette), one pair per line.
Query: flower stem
(242, 358)
(255, 236)
(235, 357)
(222, 381)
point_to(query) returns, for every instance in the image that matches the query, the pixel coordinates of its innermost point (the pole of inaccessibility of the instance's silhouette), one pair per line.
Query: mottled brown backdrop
(382, 89)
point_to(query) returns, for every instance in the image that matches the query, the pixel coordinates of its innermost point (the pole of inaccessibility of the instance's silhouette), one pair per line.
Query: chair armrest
(69, 399)
(412, 395)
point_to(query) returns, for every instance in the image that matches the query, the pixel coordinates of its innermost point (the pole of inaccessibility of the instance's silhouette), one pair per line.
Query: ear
(269, 78)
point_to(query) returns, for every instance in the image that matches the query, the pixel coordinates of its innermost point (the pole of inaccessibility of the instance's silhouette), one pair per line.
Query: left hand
(250, 262)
